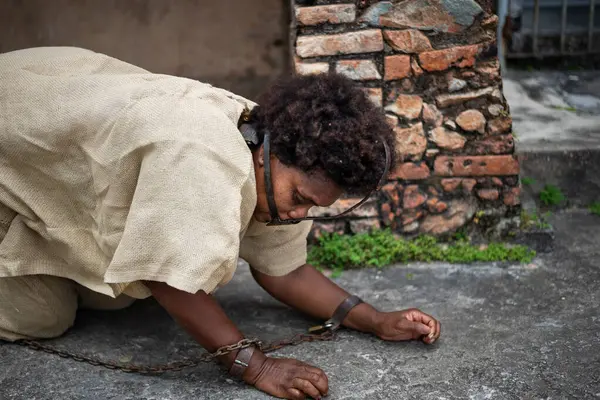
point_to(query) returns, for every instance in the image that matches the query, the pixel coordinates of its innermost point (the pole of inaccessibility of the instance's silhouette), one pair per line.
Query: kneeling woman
(118, 184)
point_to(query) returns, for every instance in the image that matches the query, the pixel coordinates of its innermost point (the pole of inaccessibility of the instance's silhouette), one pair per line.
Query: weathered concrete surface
(554, 110)
(509, 332)
(235, 44)
(556, 118)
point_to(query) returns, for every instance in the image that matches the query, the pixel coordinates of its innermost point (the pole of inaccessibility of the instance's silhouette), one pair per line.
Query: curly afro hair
(326, 122)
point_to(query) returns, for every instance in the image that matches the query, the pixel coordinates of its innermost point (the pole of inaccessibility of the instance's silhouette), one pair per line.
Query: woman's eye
(298, 199)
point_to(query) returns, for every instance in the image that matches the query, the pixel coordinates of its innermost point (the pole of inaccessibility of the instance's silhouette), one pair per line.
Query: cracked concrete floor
(509, 332)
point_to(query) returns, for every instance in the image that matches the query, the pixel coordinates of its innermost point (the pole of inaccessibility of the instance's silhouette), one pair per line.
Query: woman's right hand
(286, 378)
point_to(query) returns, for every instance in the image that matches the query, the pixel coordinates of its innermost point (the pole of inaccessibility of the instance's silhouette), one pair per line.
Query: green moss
(527, 181)
(381, 248)
(551, 195)
(595, 208)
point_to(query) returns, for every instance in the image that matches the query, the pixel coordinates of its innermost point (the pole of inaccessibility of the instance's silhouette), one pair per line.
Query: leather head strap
(268, 181)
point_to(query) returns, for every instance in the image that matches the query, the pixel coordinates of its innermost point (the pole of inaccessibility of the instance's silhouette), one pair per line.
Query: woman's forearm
(312, 293)
(201, 316)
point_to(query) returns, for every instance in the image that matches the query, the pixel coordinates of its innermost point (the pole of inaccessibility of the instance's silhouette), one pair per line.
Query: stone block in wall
(366, 41)
(441, 60)
(409, 41)
(331, 14)
(447, 16)
(410, 142)
(309, 68)
(397, 67)
(476, 165)
(359, 70)
(407, 106)
(376, 96)
(431, 66)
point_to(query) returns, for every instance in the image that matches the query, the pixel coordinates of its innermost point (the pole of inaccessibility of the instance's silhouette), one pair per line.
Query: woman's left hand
(408, 324)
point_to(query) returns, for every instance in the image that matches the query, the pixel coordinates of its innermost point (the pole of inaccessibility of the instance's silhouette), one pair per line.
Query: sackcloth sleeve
(183, 225)
(276, 250)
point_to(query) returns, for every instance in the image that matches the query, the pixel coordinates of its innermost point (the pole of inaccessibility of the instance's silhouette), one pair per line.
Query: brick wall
(432, 67)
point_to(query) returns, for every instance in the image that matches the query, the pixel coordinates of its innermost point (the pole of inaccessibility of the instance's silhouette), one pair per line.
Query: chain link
(328, 335)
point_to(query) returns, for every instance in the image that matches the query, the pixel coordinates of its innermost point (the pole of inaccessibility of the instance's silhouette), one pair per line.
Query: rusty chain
(179, 365)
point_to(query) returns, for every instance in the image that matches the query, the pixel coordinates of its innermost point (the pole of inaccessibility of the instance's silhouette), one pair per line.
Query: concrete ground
(509, 332)
(554, 110)
(556, 119)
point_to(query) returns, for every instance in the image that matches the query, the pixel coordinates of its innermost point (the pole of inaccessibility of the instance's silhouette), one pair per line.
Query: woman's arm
(311, 292)
(204, 319)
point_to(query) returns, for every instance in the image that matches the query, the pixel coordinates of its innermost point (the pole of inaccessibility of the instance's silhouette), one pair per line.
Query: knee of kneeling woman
(36, 307)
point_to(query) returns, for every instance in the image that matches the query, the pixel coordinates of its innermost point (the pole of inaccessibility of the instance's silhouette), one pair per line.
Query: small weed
(551, 195)
(381, 248)
(532, 220)
(527, 181)
(503, 113)
(571, 109)
(595, 208)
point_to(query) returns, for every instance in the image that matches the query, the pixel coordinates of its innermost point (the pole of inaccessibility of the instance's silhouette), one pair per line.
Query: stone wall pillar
(432, 67)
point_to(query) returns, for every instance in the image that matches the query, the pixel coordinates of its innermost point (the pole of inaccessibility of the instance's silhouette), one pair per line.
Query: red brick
(358, 70)
(447, 139)
(441, 60)
(396, 67)
(476, 165)
(451, 184)
(503, 144)
(410, 142)
(488, 194)
(471, 121)
(366, 41)
(332, 14)
(411, 171)
(408, 41)
(407, 106)
(499, 125)
(512, 197)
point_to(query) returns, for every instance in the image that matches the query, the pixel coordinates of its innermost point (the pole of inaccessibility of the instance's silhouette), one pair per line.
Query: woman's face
(295, 191)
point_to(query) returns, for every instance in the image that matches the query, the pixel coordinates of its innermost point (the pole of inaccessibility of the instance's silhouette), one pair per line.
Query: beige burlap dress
(111, 175)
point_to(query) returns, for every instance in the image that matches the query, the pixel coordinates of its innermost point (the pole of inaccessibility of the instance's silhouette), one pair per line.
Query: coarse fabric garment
(111, 175)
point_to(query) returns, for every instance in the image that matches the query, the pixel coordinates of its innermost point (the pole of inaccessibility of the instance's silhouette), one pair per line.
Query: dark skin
(305, 289)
